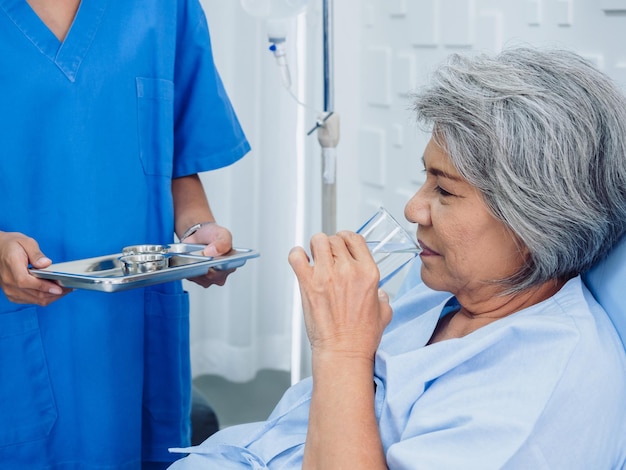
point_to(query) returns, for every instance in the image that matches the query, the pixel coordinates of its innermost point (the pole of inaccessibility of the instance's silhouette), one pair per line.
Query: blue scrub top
(93, 131)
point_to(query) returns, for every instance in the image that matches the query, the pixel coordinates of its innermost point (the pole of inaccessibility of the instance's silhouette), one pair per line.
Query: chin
(432, 281)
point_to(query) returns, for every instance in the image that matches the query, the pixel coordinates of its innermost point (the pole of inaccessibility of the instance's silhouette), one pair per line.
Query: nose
(417, 209)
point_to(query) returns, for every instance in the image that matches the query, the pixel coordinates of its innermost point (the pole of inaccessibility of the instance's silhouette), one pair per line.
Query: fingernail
(210, 251)
(56, 290)
(44, 259)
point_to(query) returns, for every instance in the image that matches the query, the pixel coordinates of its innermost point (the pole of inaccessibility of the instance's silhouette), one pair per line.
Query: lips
(426, 250)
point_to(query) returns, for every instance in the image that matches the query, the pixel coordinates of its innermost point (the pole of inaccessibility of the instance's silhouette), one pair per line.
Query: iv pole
(328, 128)
(327, 123)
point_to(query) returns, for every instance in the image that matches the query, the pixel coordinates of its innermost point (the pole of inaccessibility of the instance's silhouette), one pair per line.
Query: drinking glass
(390, 244)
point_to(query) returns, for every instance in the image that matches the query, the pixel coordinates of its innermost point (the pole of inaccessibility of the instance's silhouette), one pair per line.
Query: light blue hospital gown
(544, 388)
(92, 132)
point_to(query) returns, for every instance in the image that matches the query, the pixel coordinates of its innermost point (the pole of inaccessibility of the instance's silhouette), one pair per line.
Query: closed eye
(442, 191)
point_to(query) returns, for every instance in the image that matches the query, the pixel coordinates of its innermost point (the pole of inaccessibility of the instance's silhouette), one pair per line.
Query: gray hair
(542, 135)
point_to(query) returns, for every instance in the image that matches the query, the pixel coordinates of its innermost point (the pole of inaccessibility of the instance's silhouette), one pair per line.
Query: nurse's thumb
(41, 261)
(36, 258)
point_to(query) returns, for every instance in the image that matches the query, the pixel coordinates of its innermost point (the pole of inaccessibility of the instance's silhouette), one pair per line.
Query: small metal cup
(143, 263)
(145, 249)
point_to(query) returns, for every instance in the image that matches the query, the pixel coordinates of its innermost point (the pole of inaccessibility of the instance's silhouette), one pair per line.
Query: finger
(52, 288)
(34, 254)
(219, 240)
(25, 280)
(21, 278)
(386, 312)
(218, 247)
(37, 297)
(341, 248)
(321, 250)
(218, 276)
(299, 261)
(213, 277)
(41, 261)
(356, 245)
(47, 298)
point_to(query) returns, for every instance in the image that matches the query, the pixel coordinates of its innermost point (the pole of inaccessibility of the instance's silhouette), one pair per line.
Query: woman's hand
(16, 252)
(345, 315)
(218, 241)
(344, 311)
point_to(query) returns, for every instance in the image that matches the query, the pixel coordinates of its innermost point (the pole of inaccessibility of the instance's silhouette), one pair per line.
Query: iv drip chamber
(275, 12)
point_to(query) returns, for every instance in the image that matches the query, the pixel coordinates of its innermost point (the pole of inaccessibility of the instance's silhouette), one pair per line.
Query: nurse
(109, 111)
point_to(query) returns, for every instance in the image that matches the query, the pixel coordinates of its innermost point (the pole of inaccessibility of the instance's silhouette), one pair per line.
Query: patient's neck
(480, 310)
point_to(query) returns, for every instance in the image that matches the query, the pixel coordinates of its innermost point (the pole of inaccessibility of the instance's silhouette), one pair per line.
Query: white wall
(246, 325)
(383, 48)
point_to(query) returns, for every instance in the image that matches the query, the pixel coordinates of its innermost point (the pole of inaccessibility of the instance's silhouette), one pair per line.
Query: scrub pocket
(155, 125)
(167, 370)
(27, 408)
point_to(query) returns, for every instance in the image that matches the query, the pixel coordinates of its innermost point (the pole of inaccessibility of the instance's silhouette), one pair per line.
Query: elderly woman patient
(501, 358)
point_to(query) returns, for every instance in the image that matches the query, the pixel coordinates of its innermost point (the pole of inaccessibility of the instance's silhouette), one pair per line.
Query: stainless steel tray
(110, 274)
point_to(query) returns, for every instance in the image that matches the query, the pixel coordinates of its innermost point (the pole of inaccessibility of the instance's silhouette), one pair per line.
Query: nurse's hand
(344, 311)
(218, 241)
(17, 251)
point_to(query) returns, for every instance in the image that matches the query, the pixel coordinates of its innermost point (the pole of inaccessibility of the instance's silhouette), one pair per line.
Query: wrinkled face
(463, 244)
